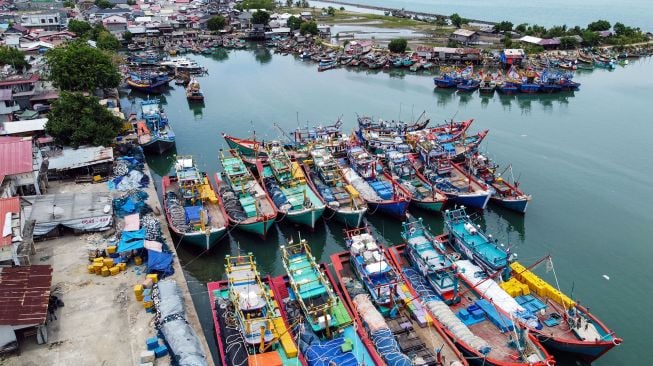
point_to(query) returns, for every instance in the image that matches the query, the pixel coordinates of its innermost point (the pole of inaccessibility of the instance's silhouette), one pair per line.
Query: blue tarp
(131, 240)
(192, 213)
(160, 261)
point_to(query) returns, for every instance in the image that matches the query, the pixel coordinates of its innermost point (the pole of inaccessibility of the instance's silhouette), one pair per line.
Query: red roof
(7, 205)
(25, 294)
(19, 80)
(15, 155)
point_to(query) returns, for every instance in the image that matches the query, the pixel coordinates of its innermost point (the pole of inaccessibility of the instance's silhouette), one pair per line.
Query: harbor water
(584, 156)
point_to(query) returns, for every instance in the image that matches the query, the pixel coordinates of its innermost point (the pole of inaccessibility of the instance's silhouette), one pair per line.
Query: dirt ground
(101, 323)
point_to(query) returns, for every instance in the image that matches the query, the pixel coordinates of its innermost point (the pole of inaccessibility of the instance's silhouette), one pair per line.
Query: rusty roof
(12, 205)
(25, 294)
(15, 155)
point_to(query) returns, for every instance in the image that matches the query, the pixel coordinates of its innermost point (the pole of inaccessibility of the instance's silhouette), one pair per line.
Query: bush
(256, 4)
(107, 41)
(504, 26)
(568, 43)
(216, 23)
(599, 25)
(590, 38)
(103, 4)
(294, 23)
(68, 4)
(309, 28)
(79, 27)
(398, 45)
(14, 57)
(261, 17)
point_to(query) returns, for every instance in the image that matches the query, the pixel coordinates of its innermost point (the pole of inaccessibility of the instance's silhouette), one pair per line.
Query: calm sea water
(546, 13)
(585, 157)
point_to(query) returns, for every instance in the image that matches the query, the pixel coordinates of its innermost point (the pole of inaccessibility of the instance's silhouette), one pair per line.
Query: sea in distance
(586, 157)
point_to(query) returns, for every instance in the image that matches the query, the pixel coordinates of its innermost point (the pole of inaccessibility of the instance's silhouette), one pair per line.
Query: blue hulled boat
(154, 131)
(472, 243)
(468, 85)
(446, 81)
(148, 82)
(423, 194)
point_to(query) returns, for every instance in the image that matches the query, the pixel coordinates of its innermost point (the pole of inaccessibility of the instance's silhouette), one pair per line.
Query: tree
(127, 36)
(504, 26)
(309, 28)
(14, 57)
(79, 27)
(521, 28)
(288, 3)
(507, 41)
(398, 45)
(216, 23)
(256, 4)
(261, 17)
(80, 67)
(599, 25)
(568, 43)
(331, 11)
(456, 20)
(590, 38)
(104, 4)
(76, 119)
(294, 23)
(107, 41)
(342, 8)
(68, 4)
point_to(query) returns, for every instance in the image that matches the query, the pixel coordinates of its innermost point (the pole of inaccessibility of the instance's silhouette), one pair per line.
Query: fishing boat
(285, 182)
(381, 192)
(154, 131)
(508, 87)
(487, 86)
(148, 82)
(317, 315)
(447, 132)
(468, 85)
(504, 193)
(557, 320)
(446, 81)
(327, 65)
(459, 186)
(423, 194)
(400, 330)
(193, 91)
(430, 149)
(483, 334)
(182, 64)
(605, 63)
(342, 200)
(193, 209)
(247, 205)
(468, 240)
(380, 125)
(246, 318)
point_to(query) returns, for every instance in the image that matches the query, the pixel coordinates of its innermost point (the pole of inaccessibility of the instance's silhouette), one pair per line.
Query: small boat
(368, 123)
(508, 87)
(468, 85)
(194, 211)
(148, 82)
(487, 86)
(154, 131)
(423, 194)
(468, 240)
(193, 91)
(342, 200)
(446, 81)
(431, 150)
(247, 205)
(459, 186)
(246, 318)
(605, 63)
(484, 335)
(529, 88)
(504, 193)
(285, 183)
(182, 64)
(182, 78)
(398, 330)
(381, 192)
(327, 65)
(443, 133)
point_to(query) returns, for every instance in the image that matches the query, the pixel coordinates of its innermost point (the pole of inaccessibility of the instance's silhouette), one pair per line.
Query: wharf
(101, 322)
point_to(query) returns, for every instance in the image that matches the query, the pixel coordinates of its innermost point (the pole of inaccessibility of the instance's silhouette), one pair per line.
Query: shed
(82, 212)
(24, 302)
(512, 56)
(84, 157)
(23, 127)
(465, 36)
(10, 225)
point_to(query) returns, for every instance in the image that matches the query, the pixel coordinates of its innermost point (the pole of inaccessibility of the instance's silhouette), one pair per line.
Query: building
(464, 36)
(7, 105)
(324, 31)
(23, 128)
(306, 15)
(359, 47)
(52, 20)
(12, 228)
(512, 56)
(23, 88)
(22, 168)
(115, 23)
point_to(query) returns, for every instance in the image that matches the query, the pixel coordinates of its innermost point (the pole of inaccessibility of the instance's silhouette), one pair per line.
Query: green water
(585, 158)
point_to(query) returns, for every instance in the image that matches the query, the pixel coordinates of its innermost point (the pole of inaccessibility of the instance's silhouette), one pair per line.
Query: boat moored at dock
(154, 132)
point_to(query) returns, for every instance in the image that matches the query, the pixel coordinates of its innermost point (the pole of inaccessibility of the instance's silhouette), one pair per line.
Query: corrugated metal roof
(28, 125)
(464, 32)
(81, 157)
(12, 205)
(15, 155)
(25, 294)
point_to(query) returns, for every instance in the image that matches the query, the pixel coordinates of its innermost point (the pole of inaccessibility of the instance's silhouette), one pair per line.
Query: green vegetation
(456, 20)
(107, 41)
(80, 67)
(127, 36)
(76, 119)
(568, 43)
(216, 23)
(398, 45)
(504, 26)
(521, 28)
(68, 4)
(507, 41)
(256, 4)
(599, 25)
(104, 4)
(331, 11)
(79, 27)
(590, 38)
(622, 34)
(294, 23)
(14, 57)
(309, 28)
(261, 17)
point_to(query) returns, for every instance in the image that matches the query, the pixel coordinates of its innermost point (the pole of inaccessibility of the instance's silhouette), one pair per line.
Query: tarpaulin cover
(132, 222)
(153, 246)
(131, 240)
(193, 213)
(159, 261)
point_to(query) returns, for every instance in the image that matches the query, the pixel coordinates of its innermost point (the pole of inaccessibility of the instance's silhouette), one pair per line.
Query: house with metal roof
(22, 168)
(11, 227)
(464, 36)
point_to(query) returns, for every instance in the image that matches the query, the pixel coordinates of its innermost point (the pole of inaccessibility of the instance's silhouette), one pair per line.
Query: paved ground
(101, 323)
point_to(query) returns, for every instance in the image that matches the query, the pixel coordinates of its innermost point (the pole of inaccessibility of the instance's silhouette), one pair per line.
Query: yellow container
(122, 266)
(98, 260)
(138, 260)
(286, 340)
(297, 172)
(114, 270)
(91, 268)
(97, 268)
(138, 290)
(97, 178)
(105, 271)
(147, 304)
(139, 297)
(111, 249)
(153, 276)
(108, 262)
(351, 190)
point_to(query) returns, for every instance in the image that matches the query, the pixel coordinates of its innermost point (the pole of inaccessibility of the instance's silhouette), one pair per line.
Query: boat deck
(217, 219)
(480, 243)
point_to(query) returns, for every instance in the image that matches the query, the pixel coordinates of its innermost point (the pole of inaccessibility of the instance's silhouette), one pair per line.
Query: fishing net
(232, 204)
(176, 212)
(132, 201)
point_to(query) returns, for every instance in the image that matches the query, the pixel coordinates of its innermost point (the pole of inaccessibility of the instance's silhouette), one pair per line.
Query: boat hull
(472, 200)
(435, 206)
(349, 218)
(587, 351)
(200, 239)
(243, 149)
(260, 227)
(158, 146)
(306, 218)
(517, 205)
(395, 209)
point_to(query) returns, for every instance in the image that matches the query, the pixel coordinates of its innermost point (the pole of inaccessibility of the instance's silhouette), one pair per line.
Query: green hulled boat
(285, 183)
(247, 205)
(341, 198)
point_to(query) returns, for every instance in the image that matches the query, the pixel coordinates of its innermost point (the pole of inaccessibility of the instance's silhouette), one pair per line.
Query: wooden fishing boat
(148, 82)
(247, 205)
(443, 133)
(194, 92)
(154, 131)
(468, 240)
(368, 123)
(423, 194)
(342, 200)
(558, 321)
(504, 193)
(248, 327)
(508, 87)
(431, 150)
(468, 85)
(487, 86)
(381, 192)
(401, 333)
(193, 210)
(482, 333)
(459, 186)
(446, 81)
(285, 183)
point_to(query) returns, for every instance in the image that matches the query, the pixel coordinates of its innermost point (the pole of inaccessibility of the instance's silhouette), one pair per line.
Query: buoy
(606, 277)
